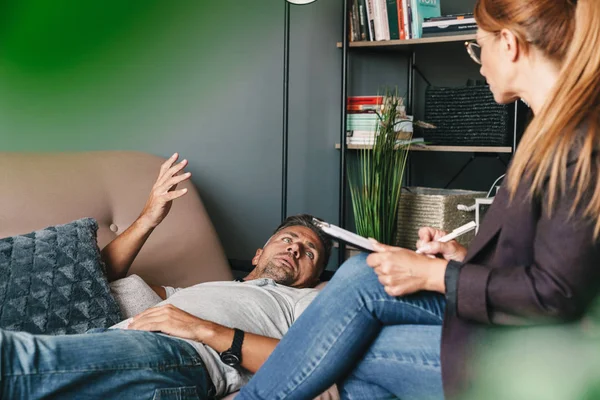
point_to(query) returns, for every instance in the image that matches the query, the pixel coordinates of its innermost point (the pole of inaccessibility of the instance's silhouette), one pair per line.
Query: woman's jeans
(116, 364)
(374, 345)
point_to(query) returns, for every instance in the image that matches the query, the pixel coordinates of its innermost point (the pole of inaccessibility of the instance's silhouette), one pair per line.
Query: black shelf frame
(413, 70)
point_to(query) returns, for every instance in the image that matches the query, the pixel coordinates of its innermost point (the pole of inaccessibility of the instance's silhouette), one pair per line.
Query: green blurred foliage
(54, 34)
(540, 363)
(116, 74)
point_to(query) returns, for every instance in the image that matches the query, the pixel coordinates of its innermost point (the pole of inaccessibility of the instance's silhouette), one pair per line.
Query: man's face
(292, 257)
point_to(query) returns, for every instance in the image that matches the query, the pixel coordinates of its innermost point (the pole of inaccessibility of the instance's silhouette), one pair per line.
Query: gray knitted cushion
(53, 281)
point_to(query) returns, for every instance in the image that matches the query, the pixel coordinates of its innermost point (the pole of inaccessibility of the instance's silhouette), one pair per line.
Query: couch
(44, 189)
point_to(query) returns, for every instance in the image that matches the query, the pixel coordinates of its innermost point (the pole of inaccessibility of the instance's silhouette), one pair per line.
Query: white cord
(462, 207)
(494, 184)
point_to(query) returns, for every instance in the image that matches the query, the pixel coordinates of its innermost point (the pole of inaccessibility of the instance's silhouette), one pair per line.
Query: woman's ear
(509, 45)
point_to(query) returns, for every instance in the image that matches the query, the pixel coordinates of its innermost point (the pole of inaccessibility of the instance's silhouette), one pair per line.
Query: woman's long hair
(566, 32)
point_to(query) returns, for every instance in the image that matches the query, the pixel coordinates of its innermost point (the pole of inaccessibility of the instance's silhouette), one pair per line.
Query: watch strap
(233, 355)
(238, 340)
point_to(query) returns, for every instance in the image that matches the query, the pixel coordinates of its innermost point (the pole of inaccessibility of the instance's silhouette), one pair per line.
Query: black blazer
(525, 266)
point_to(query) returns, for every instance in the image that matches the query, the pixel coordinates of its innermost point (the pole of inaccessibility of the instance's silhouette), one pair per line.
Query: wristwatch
(233, 355)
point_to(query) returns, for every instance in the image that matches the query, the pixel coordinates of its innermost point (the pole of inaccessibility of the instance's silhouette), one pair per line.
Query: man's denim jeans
(375, 345)
(116, 364)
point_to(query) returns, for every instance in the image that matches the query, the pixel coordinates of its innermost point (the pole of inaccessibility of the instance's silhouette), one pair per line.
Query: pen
(461, 230)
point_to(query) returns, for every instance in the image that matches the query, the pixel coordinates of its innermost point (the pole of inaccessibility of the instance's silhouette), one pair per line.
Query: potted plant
(375, 175)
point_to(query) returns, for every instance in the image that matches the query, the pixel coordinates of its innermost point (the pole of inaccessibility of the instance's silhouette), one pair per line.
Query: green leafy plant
(375, 175)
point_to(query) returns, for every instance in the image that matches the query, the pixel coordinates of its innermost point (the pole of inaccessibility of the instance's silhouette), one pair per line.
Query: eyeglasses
(474, 50)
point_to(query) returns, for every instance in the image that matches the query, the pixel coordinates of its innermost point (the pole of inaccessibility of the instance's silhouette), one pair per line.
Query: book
(449, 17)
(363, 116)
(393, 23)
(370, 20)
(408, 12)
(400, 11)
(449, 30)
(383, 19)
(363, 122)
(420, 10)
(363, 109)
(450, 22)
(364, 20)
(368, 126)
(362, 135)
(373, 100)
(351, 34)
(358, 28)
(370, 142)
(377, 20)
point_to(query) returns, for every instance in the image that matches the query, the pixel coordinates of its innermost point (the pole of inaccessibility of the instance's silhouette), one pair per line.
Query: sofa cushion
(53, 281)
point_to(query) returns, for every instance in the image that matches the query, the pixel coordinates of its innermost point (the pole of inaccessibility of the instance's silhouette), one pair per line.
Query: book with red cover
(364, 100)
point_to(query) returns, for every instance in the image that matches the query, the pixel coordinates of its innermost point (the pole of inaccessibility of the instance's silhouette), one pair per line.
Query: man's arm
(119, 254)
(176, 322)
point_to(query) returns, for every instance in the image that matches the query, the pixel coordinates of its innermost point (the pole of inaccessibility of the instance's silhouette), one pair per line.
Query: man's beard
(280, 275)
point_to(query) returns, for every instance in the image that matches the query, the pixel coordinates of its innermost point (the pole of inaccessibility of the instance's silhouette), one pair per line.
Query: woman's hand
(163, 192)
(428, 245)
(403, 272)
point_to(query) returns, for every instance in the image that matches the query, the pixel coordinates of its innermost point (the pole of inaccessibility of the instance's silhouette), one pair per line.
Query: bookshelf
(362, 61)
(407, 44)
(445, 149)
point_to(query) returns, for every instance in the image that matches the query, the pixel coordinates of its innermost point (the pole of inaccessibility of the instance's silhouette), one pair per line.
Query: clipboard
(344, 235)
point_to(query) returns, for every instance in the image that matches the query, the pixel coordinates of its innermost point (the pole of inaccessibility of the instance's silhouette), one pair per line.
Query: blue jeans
(374, 345)
(116, 364)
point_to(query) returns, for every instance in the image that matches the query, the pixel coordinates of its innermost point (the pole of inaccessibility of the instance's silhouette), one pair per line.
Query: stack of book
(362, 118)
(372, 20)
(362, 121)
(448, 25)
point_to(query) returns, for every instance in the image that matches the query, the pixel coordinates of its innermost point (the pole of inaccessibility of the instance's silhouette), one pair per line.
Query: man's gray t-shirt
(259, 306)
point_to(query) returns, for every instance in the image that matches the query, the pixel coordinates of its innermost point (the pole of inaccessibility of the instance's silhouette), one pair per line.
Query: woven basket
(437, 208)
(466, 116)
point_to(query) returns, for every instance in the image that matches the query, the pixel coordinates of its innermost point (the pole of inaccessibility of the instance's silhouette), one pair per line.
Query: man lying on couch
(202, 341)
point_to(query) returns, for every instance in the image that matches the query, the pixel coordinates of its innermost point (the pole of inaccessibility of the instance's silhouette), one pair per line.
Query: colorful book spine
(364, 20)
(450, 30)
(383, 16)
(464, 21)
(377, 21)
(393, 23)
(370, 18)
(351, 34)
(422, 9)
(401, 27)
(365, 100)
(450, 17)
(409, 20)
(358, 28)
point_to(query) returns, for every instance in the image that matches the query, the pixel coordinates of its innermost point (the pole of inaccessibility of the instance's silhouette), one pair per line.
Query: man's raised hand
(164, 191)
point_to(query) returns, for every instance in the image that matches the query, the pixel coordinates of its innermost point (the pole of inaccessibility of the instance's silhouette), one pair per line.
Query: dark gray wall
(315, 109)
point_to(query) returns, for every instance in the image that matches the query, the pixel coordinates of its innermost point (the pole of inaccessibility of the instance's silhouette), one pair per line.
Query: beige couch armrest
(43, 189)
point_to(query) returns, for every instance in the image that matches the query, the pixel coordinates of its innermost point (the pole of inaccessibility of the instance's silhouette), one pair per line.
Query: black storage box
(467, 116)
